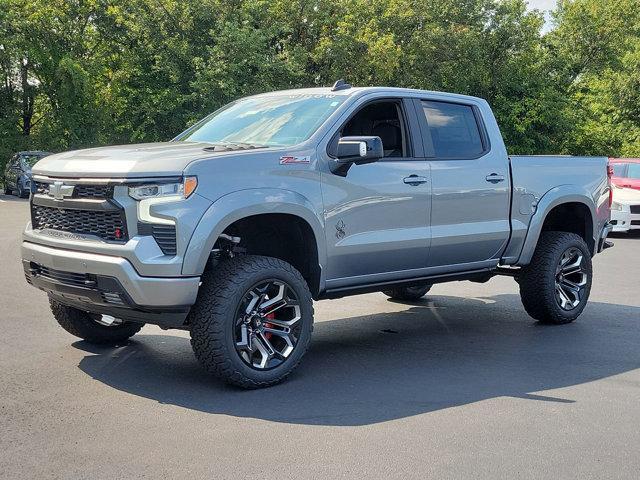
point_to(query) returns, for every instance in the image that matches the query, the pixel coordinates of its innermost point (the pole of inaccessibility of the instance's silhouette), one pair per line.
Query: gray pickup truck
(233, 228)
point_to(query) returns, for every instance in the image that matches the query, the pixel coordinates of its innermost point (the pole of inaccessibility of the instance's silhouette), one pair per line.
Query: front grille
(80, 191)
(108, 225)
(67, 278)
(93, 191)
(635, 208)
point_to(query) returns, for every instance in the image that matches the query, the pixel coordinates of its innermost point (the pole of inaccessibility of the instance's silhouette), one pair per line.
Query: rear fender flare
(554, 197)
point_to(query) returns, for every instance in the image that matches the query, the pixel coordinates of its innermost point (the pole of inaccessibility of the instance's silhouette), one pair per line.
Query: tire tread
(536, 281)
(79, 324)
(217, 294)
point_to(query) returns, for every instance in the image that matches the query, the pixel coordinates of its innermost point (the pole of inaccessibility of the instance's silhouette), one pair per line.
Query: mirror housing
(356, 150)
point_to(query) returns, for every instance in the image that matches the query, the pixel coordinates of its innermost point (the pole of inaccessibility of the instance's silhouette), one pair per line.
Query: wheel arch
(289, 210)
(566, 208)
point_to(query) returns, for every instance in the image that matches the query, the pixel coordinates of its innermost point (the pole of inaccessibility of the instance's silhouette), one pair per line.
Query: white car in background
(625, 209)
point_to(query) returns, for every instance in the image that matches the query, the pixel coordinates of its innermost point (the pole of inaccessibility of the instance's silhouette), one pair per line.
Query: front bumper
(109, 285)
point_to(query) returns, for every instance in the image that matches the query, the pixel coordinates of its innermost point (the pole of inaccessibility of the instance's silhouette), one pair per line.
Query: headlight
(182, 189)
(616, 206)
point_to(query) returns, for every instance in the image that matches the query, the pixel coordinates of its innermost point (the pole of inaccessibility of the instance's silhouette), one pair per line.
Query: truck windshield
(278, 120)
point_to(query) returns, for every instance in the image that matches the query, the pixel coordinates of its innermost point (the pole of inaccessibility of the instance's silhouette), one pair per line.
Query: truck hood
(131, 161)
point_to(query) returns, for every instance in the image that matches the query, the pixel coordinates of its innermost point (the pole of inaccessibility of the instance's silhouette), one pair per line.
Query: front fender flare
(244, 203)
(554, 197)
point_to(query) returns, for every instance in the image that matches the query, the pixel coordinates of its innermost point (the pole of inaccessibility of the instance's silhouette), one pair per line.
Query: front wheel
(22, 193)
(94, 328)
(252, 321)
(555, 286)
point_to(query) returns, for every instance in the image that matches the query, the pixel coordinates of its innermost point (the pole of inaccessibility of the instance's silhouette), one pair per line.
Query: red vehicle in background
(626, 172)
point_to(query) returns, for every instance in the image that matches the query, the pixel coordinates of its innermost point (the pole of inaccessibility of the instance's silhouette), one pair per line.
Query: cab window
(454, 130)
(382, 119)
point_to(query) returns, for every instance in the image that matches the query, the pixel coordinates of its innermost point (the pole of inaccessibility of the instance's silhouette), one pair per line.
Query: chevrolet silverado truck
(233, 228)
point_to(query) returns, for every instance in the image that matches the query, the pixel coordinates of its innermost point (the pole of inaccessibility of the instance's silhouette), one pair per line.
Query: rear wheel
(252, 321)
(555, 286)
(7, 190)
(94, 328)
(408, 293)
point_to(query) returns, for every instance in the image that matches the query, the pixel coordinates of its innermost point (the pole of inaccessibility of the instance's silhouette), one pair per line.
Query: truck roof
(33, 152)
(362, 90)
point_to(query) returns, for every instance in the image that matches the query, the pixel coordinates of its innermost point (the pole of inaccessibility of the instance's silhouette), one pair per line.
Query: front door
(377, 216)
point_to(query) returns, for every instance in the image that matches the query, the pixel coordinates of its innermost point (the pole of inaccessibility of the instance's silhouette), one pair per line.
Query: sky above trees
(543, 4)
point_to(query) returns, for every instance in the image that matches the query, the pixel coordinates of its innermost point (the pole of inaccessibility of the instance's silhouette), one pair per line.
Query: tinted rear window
(454, 130)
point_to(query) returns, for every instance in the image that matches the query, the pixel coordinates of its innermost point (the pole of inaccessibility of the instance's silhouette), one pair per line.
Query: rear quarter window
(454, 130)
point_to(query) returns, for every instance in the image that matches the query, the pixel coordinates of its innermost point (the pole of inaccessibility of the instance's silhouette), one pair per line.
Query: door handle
(415, 180)
(494, 178)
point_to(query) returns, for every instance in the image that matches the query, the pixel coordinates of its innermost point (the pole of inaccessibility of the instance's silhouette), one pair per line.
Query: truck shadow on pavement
(439, 353)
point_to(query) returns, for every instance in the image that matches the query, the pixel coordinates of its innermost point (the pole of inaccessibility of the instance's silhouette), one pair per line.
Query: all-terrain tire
(7, 191)
(84, 325)
(213, 318)
(538, 279)
(407, 294)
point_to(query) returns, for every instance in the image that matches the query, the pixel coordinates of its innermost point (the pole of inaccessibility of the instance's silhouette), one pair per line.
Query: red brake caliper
(269, 316)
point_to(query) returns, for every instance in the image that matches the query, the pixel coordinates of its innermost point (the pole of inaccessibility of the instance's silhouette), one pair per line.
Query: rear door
(470, 186)
(377, 216)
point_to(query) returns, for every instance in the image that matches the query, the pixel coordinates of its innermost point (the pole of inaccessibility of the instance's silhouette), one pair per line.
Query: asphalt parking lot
(462, 384)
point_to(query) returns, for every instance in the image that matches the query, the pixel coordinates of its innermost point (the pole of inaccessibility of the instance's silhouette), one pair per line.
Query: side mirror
(356, 150)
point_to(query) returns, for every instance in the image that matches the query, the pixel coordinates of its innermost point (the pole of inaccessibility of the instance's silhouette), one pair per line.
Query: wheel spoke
(266, 305)
(273, 307)
(265, 332)
(281, 333)
(564, 300)
(573, 267)
(252, 303)
(244, 343)
(262, 349)
(571, 279)
(571, 292)
(287, 323)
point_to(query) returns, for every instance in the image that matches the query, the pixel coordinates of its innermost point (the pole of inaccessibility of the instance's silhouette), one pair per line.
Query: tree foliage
(79, 73)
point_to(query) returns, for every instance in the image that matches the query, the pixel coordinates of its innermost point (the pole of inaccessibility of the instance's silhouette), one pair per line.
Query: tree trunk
(27, 98)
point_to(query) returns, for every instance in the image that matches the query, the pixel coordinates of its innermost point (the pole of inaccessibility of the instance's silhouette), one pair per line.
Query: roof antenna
(340, 85)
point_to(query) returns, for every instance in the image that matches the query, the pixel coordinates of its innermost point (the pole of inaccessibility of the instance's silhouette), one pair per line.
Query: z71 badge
(289, 159)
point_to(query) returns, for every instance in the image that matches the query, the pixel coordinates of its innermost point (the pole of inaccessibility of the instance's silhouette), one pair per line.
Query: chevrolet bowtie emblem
(60, 191)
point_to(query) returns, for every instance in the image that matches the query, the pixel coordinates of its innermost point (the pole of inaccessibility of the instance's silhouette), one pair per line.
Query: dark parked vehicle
(17, 173)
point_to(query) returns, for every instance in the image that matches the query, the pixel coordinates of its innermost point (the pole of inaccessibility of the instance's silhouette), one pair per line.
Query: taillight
(609, 175)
